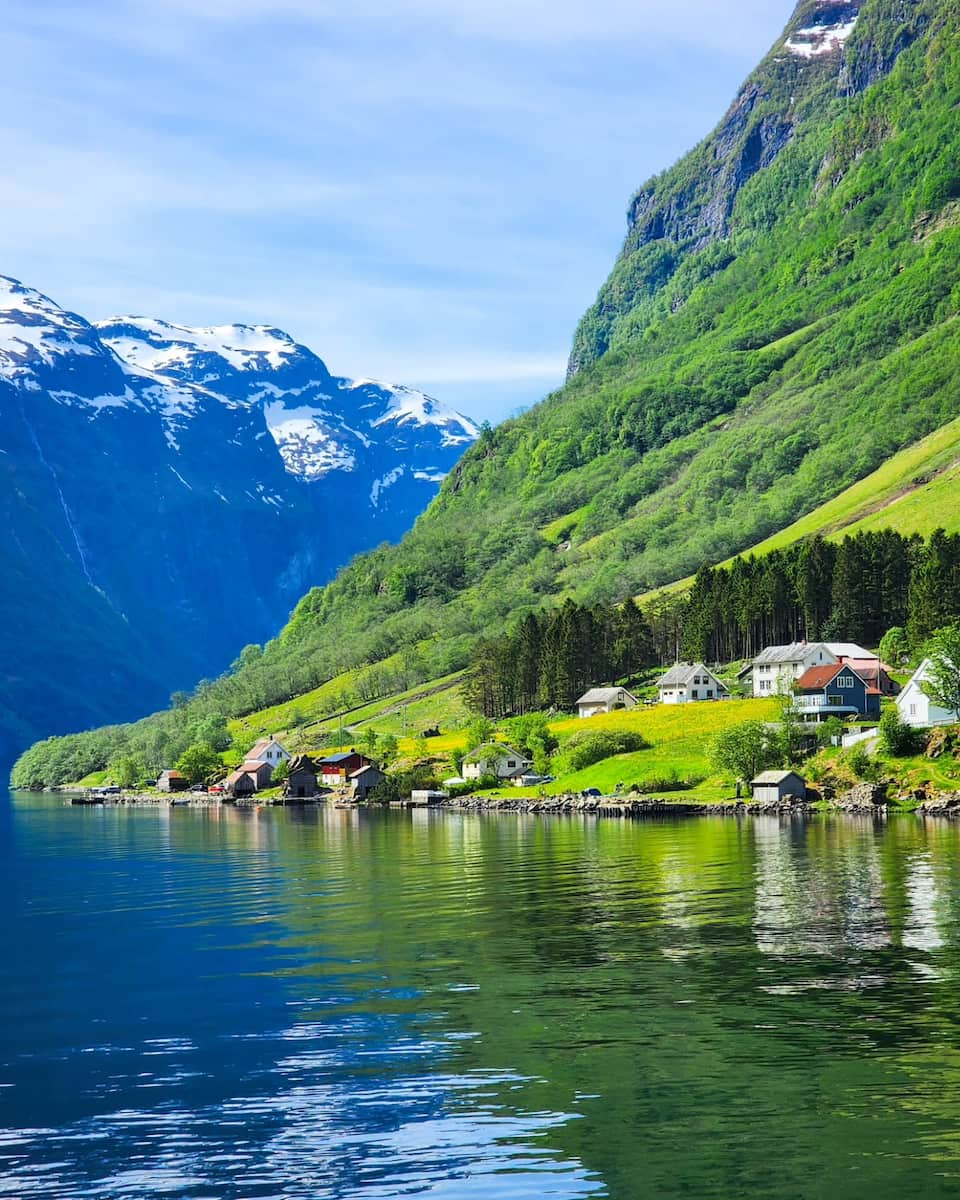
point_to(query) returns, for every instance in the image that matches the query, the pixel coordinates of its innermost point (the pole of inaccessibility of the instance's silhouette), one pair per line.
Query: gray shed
(771, 786)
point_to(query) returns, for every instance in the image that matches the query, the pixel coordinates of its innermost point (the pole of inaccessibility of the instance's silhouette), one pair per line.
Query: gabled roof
(795, 652)
(817, 678)
(849, 650)
(605, 695)
(493, 749)
(341, 757)
(363, 770)
(262, 744)
(776, 777)
(255, 765)
(682, 674)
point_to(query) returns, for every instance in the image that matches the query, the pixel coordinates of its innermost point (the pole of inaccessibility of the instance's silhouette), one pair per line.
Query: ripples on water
(301, 1003)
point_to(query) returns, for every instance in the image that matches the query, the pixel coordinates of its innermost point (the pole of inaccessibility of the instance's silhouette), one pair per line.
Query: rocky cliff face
(829, 48)
(170, 492)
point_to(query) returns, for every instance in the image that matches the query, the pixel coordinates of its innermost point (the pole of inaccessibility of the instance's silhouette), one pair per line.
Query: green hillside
(781, 326)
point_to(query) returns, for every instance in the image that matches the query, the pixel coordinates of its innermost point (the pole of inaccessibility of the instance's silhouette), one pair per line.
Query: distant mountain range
(169, 492)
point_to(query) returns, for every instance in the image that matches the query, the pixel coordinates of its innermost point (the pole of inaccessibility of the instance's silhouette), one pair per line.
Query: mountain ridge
(150, 460)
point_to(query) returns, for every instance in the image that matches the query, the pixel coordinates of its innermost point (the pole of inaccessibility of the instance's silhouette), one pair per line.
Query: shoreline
(865, 799)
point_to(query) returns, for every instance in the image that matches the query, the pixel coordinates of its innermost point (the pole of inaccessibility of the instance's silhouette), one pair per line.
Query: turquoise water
(302, 1003)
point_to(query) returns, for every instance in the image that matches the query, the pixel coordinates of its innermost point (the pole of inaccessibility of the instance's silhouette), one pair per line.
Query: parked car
(216, 787)
(149, 783)
(199, 787)
(592, 792)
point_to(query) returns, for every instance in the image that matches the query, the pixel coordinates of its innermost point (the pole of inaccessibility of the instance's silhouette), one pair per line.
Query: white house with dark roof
(605, 700)
(917, 708)
(777, 668)
(495, 758)
(685, 683)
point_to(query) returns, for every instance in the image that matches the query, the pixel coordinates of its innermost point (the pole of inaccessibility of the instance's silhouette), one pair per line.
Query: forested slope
(800, 338)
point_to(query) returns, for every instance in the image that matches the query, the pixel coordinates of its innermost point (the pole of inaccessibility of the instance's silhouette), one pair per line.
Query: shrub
(585, 749)
(896, 737)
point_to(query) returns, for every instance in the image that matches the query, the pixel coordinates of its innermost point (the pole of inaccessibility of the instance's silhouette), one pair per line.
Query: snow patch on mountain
(161, 346)
(380, 485)
(407, 406)
(36, 331)
(309, 445)
(820, 39)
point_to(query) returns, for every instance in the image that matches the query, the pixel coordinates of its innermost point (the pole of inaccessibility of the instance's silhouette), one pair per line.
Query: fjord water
(309, 1003)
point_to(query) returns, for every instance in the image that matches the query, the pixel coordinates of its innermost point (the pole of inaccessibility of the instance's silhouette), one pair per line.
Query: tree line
(854, 590)
(548, 659)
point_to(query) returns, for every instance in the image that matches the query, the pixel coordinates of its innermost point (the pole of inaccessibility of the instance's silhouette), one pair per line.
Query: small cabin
(605, 700)
(172, 781)
(239, 784)
(364, 780)
(301, 782)
(248, 778)
(769, 787)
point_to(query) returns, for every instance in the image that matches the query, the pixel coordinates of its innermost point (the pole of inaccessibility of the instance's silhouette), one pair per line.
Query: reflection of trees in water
(820, 887)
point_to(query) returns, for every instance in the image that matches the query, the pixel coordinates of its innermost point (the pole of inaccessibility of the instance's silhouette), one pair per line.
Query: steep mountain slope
(782, 321)
(170, 492)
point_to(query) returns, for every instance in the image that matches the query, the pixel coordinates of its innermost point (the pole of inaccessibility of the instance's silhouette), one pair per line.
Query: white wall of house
(502, 765)
(274, 754)
(704, 686)
(772, 679)
(917, 709)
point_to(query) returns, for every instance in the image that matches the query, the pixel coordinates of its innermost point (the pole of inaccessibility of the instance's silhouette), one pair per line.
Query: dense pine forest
(854, 590)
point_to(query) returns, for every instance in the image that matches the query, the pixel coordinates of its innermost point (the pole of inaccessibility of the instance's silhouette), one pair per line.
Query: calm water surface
(302, 1003)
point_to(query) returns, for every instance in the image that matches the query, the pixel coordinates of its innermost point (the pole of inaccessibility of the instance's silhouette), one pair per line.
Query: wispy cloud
(424, 191)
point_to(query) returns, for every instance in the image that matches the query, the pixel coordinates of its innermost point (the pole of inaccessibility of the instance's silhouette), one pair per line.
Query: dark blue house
(836, 691)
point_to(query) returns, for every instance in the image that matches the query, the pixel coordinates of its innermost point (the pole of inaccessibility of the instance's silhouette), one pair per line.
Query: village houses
(685, 683)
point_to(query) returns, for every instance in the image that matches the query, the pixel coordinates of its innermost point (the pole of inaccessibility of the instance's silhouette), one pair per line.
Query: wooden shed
(769, 787)
(172, 781)
(364, 780)
(240, 783)
(301, 781)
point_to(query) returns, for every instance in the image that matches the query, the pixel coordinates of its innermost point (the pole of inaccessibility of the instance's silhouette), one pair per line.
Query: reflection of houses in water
(922, 928)
(819, 889)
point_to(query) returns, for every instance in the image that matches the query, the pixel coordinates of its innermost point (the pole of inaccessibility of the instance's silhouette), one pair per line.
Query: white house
(267, 750)
(684, 683)
(495, 758)
(849, 652)
(605, 700)
(915, 706)
(777, 668)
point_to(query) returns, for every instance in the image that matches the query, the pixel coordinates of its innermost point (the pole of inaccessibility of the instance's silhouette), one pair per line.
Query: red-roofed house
(835, 690)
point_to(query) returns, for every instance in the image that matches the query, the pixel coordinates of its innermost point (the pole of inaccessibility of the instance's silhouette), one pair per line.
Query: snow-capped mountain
(179, 488)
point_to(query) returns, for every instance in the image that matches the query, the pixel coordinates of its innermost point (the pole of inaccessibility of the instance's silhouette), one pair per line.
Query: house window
(836, 701)
(913, 710)
(845, 681)
(709, 693)
(696, 694)
(511, 763)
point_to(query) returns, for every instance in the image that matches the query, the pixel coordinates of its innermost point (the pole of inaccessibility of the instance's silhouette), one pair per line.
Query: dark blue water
(301, 1003)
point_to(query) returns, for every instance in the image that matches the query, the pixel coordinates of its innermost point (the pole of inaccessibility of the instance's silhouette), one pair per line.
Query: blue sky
(423, 191)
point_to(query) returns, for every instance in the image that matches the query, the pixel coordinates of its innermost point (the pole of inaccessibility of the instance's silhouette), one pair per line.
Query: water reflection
(252, 1003)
